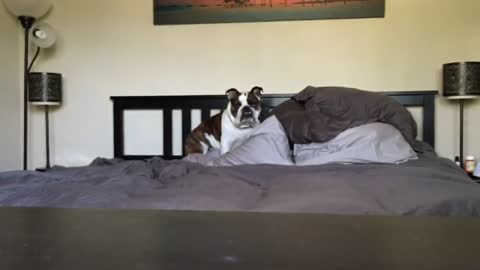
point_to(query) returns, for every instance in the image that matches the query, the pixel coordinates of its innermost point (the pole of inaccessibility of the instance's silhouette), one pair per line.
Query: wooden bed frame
(206, 103)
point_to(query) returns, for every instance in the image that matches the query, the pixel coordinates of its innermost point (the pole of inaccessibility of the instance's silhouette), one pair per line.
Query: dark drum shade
(45, 88)
(461, 80)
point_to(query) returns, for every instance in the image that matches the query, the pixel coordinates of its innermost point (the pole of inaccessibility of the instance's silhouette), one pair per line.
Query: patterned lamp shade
(45, 88)
(461, 80)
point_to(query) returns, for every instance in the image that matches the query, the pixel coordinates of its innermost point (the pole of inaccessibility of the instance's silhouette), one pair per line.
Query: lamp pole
(47, 140)
(461, 132)
(27, 23)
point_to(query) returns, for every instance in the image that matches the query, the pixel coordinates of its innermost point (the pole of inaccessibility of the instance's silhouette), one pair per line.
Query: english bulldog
(226, 130)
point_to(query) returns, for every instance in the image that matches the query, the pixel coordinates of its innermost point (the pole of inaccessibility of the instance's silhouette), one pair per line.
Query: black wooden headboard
(424, 99)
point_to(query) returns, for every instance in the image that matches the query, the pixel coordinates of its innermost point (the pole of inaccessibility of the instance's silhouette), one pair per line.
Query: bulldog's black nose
(247, 112)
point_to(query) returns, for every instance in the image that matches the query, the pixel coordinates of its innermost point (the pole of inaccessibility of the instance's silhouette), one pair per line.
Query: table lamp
(461, 81)
(45, 89)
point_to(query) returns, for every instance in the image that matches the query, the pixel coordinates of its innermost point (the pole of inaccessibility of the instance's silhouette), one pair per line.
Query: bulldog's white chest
(231, 135)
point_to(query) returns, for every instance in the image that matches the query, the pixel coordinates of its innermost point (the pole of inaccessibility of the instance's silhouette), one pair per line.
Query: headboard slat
(167, 132)
(424, 99)
(429, 119)
(205, 113)
(186, 124)
(118, 110)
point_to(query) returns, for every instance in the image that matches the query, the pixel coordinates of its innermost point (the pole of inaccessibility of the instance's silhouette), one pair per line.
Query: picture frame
(171, 12)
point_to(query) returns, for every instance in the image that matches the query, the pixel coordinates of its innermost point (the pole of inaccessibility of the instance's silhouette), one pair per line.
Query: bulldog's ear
(232, 93)
(257, 91)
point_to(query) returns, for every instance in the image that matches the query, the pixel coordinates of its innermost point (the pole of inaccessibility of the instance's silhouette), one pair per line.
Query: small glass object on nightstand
(470, 164)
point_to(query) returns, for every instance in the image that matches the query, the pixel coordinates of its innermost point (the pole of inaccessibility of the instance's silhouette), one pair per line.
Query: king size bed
(427, 185)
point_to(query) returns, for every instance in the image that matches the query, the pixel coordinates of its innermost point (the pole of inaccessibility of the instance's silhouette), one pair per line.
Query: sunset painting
(231, 11)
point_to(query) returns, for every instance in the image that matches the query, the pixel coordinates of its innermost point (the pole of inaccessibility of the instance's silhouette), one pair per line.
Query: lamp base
(42, 169)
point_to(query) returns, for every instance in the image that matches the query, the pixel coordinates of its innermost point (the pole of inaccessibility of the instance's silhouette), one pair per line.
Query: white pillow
(370, 143)
(266, 144)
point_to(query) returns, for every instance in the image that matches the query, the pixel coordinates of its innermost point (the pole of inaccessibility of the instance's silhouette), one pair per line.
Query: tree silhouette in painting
(236, 2)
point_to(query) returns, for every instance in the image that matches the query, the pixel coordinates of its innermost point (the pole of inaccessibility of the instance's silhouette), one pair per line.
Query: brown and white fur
(227, 130)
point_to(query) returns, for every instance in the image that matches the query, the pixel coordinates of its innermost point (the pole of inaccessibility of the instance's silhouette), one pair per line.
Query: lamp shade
(45, 88)
(43, 35)
(28, 8)
(461, 80)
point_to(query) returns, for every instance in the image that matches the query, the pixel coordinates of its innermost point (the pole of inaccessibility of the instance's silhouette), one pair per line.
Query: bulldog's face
(244, 108)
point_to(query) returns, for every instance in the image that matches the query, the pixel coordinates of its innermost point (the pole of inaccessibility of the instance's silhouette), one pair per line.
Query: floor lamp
(27, 11)
(461, 81)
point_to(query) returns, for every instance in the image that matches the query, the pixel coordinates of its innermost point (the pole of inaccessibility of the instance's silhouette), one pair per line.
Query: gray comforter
(427, 186)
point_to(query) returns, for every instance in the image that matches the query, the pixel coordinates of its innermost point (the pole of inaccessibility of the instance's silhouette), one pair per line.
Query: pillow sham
(266, 144)
(369, 143)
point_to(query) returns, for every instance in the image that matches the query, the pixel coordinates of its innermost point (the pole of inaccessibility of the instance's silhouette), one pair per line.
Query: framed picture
(231, 11)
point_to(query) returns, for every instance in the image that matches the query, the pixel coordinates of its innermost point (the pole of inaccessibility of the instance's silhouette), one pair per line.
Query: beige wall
(10, 140)
(111, 47)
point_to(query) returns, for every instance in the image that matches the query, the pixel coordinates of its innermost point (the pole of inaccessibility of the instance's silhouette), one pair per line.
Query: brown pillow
(319, 114)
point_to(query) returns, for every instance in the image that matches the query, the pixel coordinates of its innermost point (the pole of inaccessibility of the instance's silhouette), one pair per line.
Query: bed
(160, 179)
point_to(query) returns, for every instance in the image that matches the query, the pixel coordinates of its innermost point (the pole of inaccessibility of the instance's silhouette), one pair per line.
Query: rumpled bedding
(427, 186)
